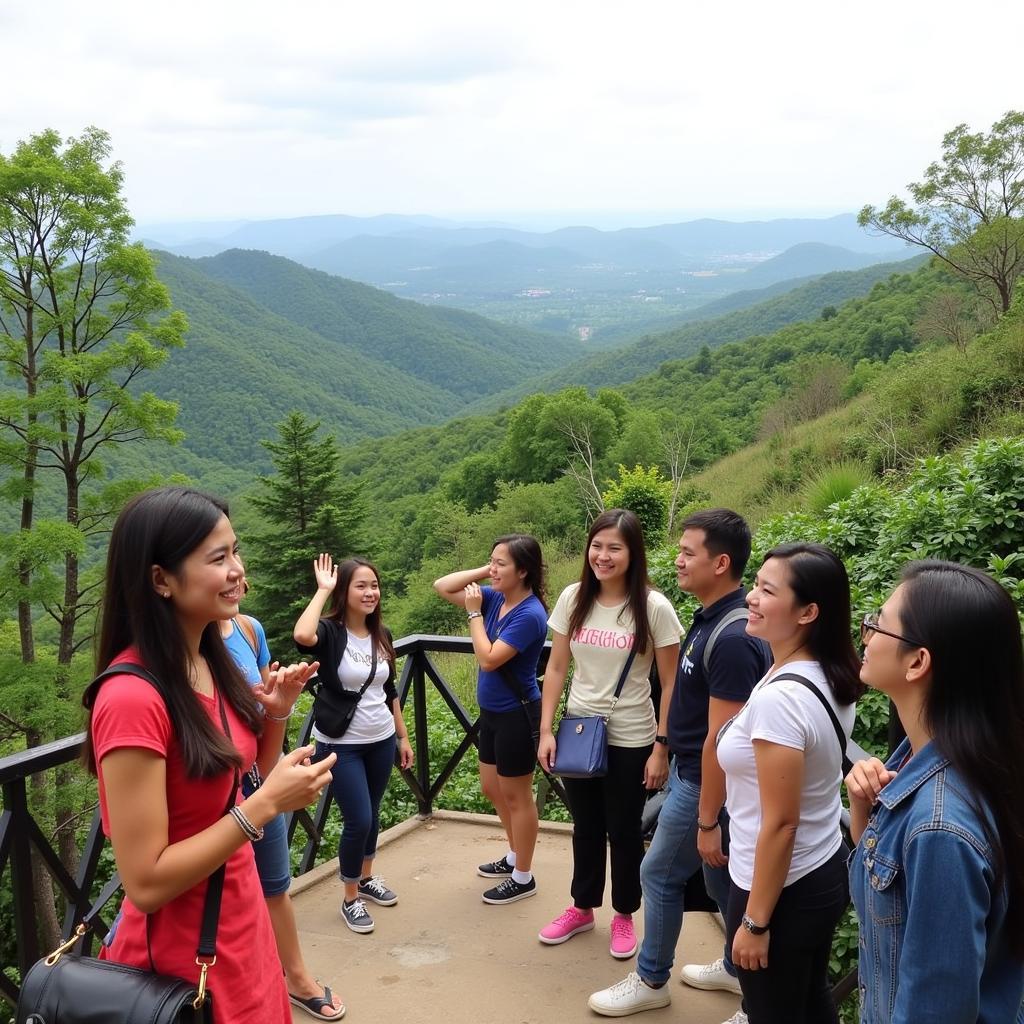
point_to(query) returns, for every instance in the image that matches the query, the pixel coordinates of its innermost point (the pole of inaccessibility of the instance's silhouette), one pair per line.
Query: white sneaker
(628, 996)
(712, 978)
(739, 1017)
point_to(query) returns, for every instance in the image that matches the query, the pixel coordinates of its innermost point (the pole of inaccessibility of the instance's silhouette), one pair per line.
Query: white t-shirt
(373, 720)
(786, 713)
(599, 651)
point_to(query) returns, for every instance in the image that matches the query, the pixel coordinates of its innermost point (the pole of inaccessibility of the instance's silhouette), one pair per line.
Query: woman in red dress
(167, 765)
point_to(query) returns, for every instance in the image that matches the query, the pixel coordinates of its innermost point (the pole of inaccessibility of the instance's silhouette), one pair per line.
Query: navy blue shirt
(525, 628)
(737, 662)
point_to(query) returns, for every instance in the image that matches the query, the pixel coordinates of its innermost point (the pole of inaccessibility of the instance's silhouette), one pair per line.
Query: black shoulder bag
(68, 988)
(334, 706)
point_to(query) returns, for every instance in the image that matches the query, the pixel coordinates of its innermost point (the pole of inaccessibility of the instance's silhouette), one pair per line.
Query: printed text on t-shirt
(603, 638)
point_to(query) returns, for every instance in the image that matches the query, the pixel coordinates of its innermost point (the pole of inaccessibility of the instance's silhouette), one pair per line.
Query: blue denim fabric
(933, 942)
(272, 861)
(359, 778)
(670, 861)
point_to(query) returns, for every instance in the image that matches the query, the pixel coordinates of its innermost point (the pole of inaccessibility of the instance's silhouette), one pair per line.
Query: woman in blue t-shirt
(508, 625)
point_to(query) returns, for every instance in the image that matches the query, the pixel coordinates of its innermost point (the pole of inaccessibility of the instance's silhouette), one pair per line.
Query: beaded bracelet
(252, 833)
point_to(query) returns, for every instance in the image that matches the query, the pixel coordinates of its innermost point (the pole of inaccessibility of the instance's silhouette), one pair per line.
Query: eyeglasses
(869, 624)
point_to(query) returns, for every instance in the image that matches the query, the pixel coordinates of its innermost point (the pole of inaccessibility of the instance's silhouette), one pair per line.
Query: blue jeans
(670, 861)
(359, 778)
(272, 862)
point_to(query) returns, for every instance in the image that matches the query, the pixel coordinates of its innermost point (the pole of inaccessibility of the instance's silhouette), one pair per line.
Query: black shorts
(507, 739)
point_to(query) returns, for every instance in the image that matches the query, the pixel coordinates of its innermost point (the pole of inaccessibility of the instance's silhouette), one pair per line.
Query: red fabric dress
(247, 981)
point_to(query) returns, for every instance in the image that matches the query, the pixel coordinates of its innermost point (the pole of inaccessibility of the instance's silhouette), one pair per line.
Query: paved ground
(441, 956)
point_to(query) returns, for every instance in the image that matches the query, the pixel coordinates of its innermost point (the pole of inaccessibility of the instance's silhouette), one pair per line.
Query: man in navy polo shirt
(719, 666)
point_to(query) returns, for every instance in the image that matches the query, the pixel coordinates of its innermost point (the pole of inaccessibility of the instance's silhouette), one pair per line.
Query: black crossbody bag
(68, 988)
(334, 707)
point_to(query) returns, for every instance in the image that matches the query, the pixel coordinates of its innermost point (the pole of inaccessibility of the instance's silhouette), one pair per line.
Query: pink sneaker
(623, 944)
(569, 923)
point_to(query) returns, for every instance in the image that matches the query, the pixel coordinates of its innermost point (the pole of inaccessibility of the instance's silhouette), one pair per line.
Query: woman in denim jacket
(938, 874)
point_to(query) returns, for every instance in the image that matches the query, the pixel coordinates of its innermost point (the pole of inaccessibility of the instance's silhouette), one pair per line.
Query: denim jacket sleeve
(948, 898)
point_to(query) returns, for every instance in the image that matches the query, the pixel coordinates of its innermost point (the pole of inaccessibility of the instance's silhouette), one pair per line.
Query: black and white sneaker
(509, 891)
(373, 888)
(495, 869)
(355, 915)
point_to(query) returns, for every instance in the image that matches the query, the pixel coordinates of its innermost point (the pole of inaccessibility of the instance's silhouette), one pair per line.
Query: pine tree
(307, 510)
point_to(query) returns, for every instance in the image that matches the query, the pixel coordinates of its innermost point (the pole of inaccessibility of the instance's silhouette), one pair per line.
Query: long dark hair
(163, 527)
(637, 583)
(817, 576)
(974, 708)
(526, 555)
(339, 599)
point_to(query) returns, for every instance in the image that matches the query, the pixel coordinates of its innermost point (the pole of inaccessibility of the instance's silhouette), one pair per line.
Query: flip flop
(314, 1005)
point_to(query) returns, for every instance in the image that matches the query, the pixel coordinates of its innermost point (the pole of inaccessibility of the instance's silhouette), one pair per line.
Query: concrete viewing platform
(442, 956)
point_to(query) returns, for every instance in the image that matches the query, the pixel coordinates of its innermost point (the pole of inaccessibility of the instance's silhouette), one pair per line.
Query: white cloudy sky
(662, 108)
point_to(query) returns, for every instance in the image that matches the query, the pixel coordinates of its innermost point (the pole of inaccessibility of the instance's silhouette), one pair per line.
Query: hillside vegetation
(267, 336)
(438, 494)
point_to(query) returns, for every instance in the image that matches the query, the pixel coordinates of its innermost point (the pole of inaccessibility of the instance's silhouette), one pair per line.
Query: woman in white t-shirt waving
(356, 655)
(596, 623)
(783, 766)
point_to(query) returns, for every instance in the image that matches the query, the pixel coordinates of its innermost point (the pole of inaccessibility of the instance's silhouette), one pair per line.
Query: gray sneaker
(355, 915)
(373, 888)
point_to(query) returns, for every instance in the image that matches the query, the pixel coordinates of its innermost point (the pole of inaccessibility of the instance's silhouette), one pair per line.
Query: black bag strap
(823, 700)
(215, 887)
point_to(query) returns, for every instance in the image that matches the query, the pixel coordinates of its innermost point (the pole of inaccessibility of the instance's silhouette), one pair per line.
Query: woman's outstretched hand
(283, 686)
(326, 572)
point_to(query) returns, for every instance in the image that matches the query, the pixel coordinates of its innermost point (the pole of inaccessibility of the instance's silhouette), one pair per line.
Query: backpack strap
(248, 630)
(823, 700)
(736, 615)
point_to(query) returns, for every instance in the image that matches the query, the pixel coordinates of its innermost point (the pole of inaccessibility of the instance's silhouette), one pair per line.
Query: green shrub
(645, 492)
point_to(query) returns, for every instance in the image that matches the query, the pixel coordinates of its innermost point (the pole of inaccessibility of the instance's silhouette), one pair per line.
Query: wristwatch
(663, 740)
(754, 929)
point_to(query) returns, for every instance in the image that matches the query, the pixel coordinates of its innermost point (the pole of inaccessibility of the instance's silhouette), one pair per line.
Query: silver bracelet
(252, 833)
(474, 615)
(274, 718)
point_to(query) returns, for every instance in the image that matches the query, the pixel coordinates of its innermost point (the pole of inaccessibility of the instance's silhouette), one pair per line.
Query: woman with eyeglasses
(783, 766)
(937, 875)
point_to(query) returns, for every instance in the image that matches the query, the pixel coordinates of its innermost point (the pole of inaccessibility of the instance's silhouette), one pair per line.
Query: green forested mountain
(465, 354)
(621, 365)
(267, 336)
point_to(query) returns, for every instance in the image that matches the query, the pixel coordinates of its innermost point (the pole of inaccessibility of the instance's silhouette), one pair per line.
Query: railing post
(419, 708)
(22, 887)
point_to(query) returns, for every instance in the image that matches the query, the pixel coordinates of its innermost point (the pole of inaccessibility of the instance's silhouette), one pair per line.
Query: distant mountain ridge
(624, 364)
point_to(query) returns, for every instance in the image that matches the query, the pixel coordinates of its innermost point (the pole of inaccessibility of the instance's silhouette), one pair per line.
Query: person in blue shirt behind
(246, 642)
(938, 874)
(508, 624)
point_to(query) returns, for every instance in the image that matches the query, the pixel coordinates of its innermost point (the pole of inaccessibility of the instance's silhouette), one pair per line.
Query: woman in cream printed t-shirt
(596, 623)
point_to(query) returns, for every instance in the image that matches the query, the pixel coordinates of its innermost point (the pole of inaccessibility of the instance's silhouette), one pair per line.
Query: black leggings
(607, 812)
(794, 988)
